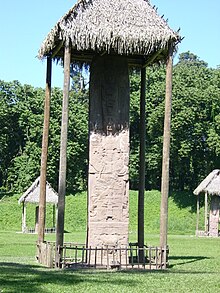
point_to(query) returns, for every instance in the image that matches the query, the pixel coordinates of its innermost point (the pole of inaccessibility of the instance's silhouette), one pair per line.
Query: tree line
(195, 129)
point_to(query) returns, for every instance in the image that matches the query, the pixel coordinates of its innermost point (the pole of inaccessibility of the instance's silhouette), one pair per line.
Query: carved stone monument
(108, 194)
(214, 216)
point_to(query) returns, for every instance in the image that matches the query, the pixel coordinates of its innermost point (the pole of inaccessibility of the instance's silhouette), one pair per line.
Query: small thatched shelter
(31, 195)
(210, 186)
(110, 36)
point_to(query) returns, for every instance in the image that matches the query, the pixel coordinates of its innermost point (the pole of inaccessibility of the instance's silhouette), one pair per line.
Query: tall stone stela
(108, 191)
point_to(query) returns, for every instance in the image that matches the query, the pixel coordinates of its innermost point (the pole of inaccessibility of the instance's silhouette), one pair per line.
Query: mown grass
(194, 262)
(194, 267)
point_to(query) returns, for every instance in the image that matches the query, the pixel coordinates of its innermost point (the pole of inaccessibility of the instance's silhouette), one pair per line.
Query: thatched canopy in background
(33, 192)
(211, 184)
(124, 27)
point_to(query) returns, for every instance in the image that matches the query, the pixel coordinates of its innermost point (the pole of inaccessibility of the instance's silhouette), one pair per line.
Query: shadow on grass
(182, 260)
(15, 277)
(186, 259)
(5, 194)
(184, 199)
(167, 272)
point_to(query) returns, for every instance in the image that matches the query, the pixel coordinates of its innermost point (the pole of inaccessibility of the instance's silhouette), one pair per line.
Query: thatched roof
(33, 192)
(211, 184)
(124, 27)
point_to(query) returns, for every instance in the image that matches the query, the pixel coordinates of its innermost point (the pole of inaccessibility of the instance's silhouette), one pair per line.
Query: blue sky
(25, 23)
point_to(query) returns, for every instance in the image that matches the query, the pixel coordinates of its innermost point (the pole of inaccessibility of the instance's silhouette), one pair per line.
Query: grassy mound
(182, 215)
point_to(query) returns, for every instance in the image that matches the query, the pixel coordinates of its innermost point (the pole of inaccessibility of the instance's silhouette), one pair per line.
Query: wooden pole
(142, 162)
(23, 217)
(197, 216)
(54, 216)
(43, 170)
(166, 153)
(36, 219)
(63, 154)
(22, 224)
(206, 212)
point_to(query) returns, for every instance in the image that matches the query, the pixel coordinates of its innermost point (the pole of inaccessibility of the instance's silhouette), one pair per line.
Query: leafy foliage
(21, 135)
(195, 123)
(195, 131)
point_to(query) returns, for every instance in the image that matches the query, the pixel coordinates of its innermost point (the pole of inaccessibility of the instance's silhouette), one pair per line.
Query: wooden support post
(206, 213)
(166, 153)
(142, 165)
(197, 216)
(36, 219)
(54, 216)
(63, 150)
(43, 171)
(23, 217)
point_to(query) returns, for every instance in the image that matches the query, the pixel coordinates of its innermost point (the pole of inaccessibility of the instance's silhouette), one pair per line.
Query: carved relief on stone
(214, 216)
(108, 210)
(113, 235)
(109, 154)
(109, 85)
(108, 200)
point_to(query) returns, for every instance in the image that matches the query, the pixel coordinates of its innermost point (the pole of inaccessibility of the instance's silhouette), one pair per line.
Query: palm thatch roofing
(32, 194)
(124, 27)
(211, 184)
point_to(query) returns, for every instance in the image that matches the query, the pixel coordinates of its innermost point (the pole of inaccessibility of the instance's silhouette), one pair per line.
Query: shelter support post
(166, 153)
(197, 215)
(36, 219)
(43, 171)
(206, 213)
(23, 217)
(54, 216)
(142, 164)
(63, 155)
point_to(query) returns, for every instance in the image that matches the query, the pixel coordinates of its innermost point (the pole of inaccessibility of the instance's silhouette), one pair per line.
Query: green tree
(195, 131)
(21, 118)
(194, 128)
(189, 58)
(11, 136)
(193, 97)
(25, 165)
(213, 139)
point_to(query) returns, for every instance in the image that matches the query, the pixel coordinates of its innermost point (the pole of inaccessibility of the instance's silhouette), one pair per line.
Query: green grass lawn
(194, 267)
(194, 262)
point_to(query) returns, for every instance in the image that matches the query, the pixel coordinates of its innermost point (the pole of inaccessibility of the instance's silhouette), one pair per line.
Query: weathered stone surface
(214, 216)
(109, 95)
(108, 214)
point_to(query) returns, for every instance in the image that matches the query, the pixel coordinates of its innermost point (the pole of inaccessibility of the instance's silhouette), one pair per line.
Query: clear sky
(25, 23)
